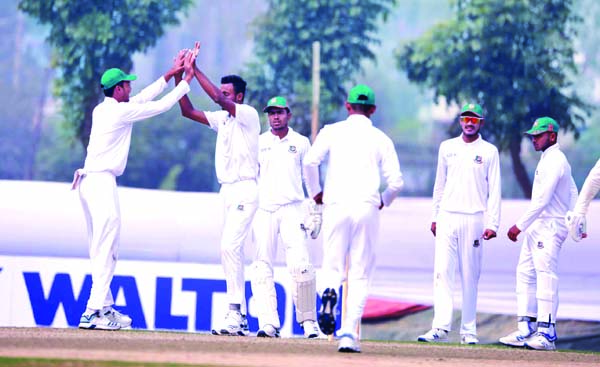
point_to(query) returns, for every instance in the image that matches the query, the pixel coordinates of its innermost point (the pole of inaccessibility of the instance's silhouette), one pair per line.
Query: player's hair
(110, 91)
(239, 84)
(361, 108)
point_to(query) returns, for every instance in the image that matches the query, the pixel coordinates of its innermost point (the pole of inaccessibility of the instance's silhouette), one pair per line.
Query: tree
(515, 57)
(283, 49)
(22, 88)
(90, 36)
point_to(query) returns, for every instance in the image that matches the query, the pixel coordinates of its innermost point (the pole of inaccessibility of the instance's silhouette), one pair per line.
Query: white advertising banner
(52, 292)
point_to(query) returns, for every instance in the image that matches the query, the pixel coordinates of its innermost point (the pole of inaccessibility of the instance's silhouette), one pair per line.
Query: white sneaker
(234, 324)
(311, 330)
(434, 336)
(348, 344)
(515, 339)
(115, 316)
(541, 341)
(268, 331)
(97, 321)
(469, 339)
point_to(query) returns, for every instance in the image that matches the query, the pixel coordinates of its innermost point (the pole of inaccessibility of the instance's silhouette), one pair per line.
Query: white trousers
(240, 200)
(100, 202)
(350, 232)
(458, 242)
(537, 271)
(284, 224)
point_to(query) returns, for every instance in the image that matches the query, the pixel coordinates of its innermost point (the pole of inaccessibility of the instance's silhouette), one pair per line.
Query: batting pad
(305, 294)
(263, 291)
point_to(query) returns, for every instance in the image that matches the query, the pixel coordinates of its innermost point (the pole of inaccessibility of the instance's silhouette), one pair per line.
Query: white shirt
(359, 155)
(554, 191)
(236, 152)
(590, 188)
(280, 170)
(468, 180)
(112, 122)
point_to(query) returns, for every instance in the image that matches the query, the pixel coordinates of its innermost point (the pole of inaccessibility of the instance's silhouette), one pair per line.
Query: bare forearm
(213, 92)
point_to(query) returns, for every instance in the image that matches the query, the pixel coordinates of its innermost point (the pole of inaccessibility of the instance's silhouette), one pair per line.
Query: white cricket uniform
(359, 155)
(106, 159)
(236, 164)
(554, 193)
(590, 188)
(467, 185)
(280, 216)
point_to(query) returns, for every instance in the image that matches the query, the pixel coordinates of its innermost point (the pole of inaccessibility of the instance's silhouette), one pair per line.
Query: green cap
(543, 124)
(473, 108)
(277, 102)
(361, 94)
(111, 77)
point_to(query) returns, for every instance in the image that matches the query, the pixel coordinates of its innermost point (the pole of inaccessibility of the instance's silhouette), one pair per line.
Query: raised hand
(177, 67)
(188, 65)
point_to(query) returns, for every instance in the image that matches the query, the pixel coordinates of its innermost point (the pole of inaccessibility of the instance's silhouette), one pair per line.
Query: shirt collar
(276, 138)
(473, 142)
(358, 118)
(550, 149)
(110, 100)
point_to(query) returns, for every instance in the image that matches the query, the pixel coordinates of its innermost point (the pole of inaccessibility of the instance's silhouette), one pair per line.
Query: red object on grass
(381, 308)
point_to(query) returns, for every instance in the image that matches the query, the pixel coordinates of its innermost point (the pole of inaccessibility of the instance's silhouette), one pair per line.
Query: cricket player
(553, 194)
(107, 152)
(467, 186)
(280, 216)
(236, 163)
(359, 156)
(575, 220)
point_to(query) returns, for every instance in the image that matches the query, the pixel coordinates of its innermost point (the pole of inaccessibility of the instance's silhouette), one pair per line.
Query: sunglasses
(470, 119)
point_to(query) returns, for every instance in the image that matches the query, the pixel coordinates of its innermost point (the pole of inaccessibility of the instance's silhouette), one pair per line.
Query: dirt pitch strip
(170, 348)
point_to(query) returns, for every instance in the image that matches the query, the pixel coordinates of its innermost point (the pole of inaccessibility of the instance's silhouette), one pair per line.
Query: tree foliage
(90, 36)
(283, 51)
(515, 57)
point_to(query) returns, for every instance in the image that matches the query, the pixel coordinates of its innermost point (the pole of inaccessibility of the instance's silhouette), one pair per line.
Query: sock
(526, 325)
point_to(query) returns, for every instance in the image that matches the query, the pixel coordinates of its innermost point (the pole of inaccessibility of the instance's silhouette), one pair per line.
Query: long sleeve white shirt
(112, 122)
(554, 191)
(359, 155)
(468, 180)
(236, 152)
(590, 188)
(280, 170)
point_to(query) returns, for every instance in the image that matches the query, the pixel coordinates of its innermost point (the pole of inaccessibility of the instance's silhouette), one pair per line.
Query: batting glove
(577, 226)
(313, 222)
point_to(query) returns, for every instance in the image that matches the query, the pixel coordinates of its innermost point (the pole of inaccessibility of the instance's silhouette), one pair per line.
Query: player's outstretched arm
(213, 92)
(185, 105)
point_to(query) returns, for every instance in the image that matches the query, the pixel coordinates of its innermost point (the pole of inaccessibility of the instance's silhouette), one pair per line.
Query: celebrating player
(576, 219)
(553, 194)
(280, 215)
(107, 152)
(236, 162)
(467, 184)
(359, 155)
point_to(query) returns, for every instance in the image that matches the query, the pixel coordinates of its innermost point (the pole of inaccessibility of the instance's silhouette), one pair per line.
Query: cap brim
(266, 109)
(471, 112)
(533, 132)
(130, 77)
